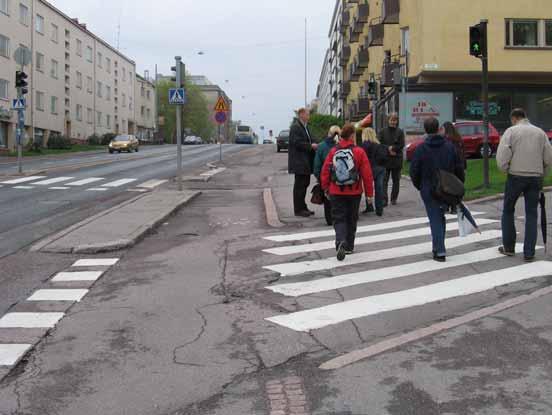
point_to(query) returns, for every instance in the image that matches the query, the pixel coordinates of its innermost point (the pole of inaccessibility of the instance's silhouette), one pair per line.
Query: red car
(472, 133)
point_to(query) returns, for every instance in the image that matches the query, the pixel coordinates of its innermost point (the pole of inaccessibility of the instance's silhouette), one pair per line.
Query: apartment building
(418, 51)
(145, 107)
(78, 84)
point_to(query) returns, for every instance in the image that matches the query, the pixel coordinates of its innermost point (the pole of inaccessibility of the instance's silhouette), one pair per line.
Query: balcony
(363, 104)
(354, 36)
(345, 22)
(344, 89)
(354, 71)
(391, 74)
(363, 13)
(345, 56)
(363, 58)
(375, 35)
(391, 11)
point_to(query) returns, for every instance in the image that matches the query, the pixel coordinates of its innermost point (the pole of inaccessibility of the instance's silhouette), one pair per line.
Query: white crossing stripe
(24, 187)
(320, 246)
(11, 353)
(213, 172)
(382, 274)
(30, 320)
(96, 262)
(137, 190)
(86, 181)
(348, 310)
(58, 295)
(24, 180)
(97, 189)
(297, 268)
(58, 188)
(53, 181)
(118, 183)
(152, 184)
(361, 229)
(77, 276)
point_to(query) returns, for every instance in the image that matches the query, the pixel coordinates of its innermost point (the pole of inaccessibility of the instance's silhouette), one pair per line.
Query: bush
(94, 140)
(59, 142)
(106, 139)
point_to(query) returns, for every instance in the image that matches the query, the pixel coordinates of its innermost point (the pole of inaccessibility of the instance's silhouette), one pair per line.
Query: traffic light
(372, 87)
(478, 40)
(182, 70)
(21, 83)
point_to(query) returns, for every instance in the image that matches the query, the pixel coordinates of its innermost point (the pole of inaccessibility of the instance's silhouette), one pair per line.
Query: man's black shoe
(341, 252)
(311, 212)
(394, 202)
(379, 213)
(439, 258)
(303, 214)
(529, 259)
(503, 251)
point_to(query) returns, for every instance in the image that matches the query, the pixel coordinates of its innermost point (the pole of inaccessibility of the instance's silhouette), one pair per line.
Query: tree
(319, 124)
(195, 112)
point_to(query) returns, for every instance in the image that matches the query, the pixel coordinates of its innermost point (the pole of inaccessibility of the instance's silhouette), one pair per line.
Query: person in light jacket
(377, 154)
(525, 154)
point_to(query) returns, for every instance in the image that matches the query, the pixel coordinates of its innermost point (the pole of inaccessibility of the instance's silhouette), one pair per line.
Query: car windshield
(122, 138)
(474, 129)
(284, 134)
(243, 129)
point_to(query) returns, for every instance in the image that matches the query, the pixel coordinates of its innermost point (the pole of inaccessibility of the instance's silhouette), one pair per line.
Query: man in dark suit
(301, 158)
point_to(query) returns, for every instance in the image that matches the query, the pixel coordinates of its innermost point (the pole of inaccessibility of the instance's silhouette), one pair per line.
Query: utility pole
(306, 64)
(179, 83)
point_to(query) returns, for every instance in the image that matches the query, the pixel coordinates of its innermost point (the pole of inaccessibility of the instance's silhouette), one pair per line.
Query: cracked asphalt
(177, 328)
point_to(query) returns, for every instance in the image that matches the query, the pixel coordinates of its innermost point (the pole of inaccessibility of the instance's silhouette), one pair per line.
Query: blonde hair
(334, 131)
(369, 134)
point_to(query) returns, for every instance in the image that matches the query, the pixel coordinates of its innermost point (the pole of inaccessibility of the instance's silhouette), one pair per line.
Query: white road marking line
(24, 180)
(77, 276)
(96, 262)
(349, 280)
(152, 184)
(30, 320)
(86, 181)
(394, 342)
(362, 229)
(363, 307)
(297, 268)
(118, 183)
(11, 353)
(411, 233)
(137, 190)
(53, 181)
(58, 295)
(24, 187)
(96, 189)
(58, 188)
(213, 172)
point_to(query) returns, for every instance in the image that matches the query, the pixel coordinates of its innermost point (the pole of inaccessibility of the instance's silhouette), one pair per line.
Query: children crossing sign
(221, 105)
(177, 96)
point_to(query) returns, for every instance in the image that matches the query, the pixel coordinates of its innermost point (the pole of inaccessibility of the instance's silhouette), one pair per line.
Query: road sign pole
(179, 126)
(19, 135)
(485, 82)
(220, 144)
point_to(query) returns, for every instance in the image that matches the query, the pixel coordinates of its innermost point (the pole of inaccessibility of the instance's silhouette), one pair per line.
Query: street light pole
(179, 126)
(485, 61)
(306, 64)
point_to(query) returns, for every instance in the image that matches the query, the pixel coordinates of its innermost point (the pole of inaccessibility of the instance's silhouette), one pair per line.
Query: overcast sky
(255, 45)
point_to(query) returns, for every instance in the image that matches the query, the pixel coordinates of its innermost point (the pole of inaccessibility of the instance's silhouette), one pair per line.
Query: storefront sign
(475, 109)
(416, 107)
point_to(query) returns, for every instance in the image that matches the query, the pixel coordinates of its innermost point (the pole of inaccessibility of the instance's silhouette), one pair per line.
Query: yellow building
(418, 50)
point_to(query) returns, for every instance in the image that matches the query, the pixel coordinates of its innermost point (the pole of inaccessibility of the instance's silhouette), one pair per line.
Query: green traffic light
(476, 47)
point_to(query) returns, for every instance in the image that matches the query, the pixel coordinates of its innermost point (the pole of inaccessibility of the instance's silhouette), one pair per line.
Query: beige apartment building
(78, 84)
(418, 50)
(145, 107)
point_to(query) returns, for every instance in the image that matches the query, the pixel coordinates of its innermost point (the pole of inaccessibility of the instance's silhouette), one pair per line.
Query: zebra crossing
(370, 265)
(99, 184)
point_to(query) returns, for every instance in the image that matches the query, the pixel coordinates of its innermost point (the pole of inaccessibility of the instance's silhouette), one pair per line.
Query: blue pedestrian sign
(18, 104)
(177, 96)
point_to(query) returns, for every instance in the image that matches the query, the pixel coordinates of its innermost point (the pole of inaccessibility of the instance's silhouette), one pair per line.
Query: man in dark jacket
(301, 157)
(436, 153)
(393, 138)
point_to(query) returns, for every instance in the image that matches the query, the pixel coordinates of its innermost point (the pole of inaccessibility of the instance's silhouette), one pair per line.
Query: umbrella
(544, 223)
(468, 216)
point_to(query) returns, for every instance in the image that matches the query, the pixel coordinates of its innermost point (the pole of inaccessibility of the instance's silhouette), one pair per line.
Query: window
(55, 68)
(130, 103)
(40, 101)
(89, 84)
(5, 7)
(142, 111)
(55, 33)
(79, 80)
(89, 116)
(79, 47)
(4, 46)
(54, 105)
(3, 89)
(99, 88)
(108, 93)
(39, 23)
(100, 60)
(89, 54)
(39, 62)
(99, 118)
(148, 114)
(124, 75)
(143, 91)
(548, 32)
(108, 120)
(23, 14)
(79, 112)
(405, 41)
(108, 65)
(148, 93)
(124, 100)
(528, 33)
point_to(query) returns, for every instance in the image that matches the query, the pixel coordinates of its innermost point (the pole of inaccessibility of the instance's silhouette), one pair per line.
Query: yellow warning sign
(221, 106)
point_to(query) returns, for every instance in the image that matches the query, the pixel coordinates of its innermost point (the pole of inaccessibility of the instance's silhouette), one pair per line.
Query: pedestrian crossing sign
(177, 96)
(18, 104)
(221, 105)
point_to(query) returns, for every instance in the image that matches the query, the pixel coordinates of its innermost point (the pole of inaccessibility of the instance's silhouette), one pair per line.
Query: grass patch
(474, 179)
(75, 148)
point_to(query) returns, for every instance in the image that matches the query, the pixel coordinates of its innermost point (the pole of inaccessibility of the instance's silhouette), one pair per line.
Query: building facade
(78, 84)
(418, 52)
(145, 108)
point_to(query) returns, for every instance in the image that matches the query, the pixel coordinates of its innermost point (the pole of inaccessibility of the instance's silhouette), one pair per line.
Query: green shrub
(106, 139)
(94, 140)
(59, 142)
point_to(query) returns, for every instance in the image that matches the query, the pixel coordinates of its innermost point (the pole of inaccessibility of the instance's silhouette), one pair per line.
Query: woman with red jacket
(346, 175)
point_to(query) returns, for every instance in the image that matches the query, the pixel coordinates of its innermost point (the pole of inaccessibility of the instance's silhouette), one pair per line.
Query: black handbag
(447, 188)
(318, 196)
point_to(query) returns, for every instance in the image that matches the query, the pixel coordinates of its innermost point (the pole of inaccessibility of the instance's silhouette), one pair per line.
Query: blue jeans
(379, 180)
(530, 187)
(437, 222)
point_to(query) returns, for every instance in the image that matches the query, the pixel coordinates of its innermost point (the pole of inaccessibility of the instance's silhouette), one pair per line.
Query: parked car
(549, 134)
(124, 143)
(245, 139)
(268, 141)
(472, 134)
(282, 141)
(193, 140)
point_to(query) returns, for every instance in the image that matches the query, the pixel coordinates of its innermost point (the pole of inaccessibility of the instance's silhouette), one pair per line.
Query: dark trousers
(530, 187)
(394, 174)
(302, 183)
(328, 211)
(379, 179)
(345, 217)
(437, 222)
